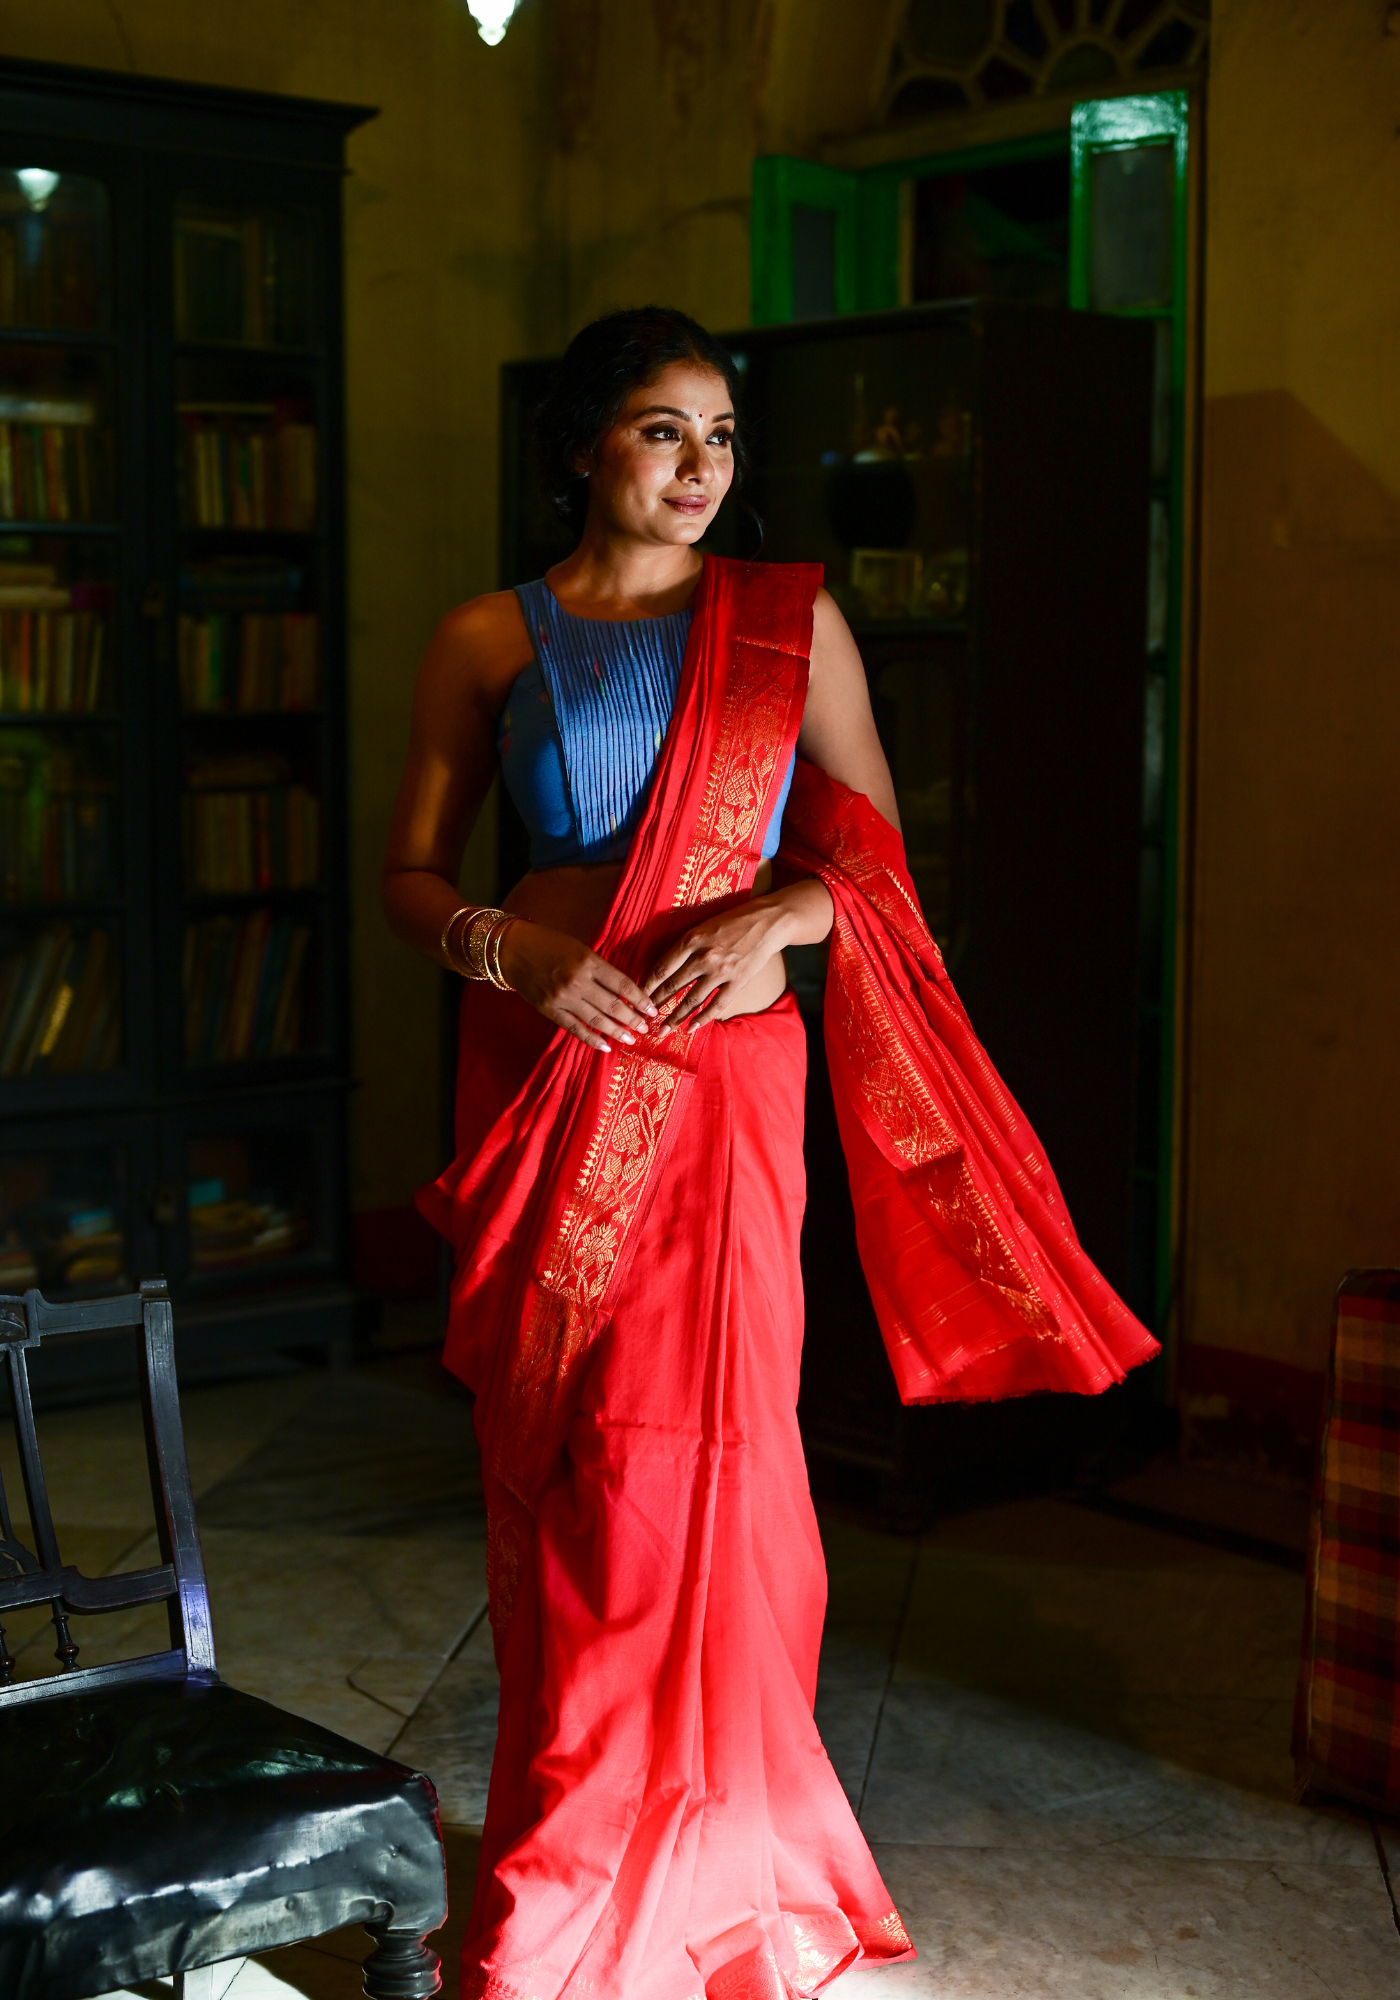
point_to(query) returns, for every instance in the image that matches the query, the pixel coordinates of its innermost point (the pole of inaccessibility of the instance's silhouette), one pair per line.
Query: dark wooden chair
(153, 1820)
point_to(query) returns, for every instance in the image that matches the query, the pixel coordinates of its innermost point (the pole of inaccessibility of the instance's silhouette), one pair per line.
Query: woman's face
(661, 471)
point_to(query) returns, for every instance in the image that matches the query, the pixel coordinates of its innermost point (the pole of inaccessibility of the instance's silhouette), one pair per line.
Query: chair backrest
(39, 1575)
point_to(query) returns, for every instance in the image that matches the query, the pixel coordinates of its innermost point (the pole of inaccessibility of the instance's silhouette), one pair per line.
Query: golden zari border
(904, 1108)
(612, 1183)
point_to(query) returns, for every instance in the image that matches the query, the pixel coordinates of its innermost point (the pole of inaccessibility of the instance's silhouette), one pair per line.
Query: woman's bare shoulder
(485, 626)
(479, 646)
(833, 645)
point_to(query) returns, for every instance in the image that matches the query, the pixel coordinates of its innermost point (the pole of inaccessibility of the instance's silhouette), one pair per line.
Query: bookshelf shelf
(174, 1045)
(25, 336)
(226, 718)
(10, 527)
(75, 906)
(70, 718)
(190, 531)
(222, 350)
(254, 899)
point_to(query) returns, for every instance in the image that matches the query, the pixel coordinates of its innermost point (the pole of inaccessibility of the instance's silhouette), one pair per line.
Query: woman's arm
(838, 733)
(448, 771)
(466, 674)
(838, 727)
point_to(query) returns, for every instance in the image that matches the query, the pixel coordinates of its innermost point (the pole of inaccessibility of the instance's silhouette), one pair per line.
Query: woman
(628, 1192)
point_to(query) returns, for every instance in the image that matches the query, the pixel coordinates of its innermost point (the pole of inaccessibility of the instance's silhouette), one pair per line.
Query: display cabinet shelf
(174, 1047)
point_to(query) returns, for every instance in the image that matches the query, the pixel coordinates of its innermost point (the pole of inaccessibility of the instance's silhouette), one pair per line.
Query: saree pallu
(627, 1305)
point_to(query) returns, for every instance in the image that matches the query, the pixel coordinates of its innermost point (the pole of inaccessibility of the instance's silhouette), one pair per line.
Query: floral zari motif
(570, 1294)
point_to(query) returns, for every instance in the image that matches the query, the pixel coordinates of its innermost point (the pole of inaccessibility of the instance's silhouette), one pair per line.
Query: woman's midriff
(576, 900)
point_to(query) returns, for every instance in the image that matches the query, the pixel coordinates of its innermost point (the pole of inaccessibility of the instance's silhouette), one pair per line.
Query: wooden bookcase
(974, 476)
(174, 1034)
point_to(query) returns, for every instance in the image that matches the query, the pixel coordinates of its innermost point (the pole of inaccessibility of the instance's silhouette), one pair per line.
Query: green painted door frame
(781, 184)
(1107, 125)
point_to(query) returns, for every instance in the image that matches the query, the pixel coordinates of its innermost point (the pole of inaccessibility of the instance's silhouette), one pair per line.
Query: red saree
(663, 1820)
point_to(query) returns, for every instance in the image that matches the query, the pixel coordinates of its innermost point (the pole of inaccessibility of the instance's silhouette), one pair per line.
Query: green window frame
(781, 184)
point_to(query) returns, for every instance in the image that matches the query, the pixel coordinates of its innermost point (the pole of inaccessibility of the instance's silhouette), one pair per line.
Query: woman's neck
(610, 579)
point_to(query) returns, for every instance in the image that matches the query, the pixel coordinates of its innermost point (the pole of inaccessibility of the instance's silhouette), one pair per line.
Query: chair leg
(401, 1967)
(208, 1982)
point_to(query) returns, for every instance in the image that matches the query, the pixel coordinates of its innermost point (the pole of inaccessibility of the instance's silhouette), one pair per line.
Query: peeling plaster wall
(649, 183)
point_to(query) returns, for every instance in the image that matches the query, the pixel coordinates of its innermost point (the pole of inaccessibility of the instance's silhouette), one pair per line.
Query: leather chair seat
(159, 1825)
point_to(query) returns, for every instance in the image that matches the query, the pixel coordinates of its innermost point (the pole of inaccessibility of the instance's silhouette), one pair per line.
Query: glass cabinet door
(258, 1192)
(61, 808)
(253, 746)
(64, 1219)
(865, 445)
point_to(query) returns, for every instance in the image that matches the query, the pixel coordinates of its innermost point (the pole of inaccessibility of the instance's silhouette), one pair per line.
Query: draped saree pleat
(663, 1820)
(662, 1816)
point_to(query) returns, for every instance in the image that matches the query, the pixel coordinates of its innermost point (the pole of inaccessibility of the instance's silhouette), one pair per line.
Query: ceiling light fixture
(492, 18)
(38, 184)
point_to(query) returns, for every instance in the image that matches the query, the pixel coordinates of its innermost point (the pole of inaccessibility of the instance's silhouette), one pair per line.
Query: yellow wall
(1294, 1079)
(649, 180)
(443, 282)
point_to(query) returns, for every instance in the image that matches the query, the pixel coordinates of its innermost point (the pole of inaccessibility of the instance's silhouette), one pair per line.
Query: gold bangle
(474, 939)
(493, 955)
(445, 943)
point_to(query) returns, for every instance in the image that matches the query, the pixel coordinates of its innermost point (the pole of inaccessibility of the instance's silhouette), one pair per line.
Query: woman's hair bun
(600, 365)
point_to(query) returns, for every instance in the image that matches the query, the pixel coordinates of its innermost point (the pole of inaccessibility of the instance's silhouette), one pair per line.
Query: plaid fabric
(1346, 1736)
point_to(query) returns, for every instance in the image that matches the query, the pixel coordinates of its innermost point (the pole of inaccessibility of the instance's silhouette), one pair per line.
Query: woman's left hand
(716, 959)
(721, 956)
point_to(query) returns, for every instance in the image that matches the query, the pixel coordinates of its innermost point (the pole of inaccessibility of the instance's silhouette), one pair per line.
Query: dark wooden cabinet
(174, 1033)
(975, 478)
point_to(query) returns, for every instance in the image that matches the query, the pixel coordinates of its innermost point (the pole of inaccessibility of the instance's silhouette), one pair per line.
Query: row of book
(58, 279)
(251, 660)
(245, 469)
(56, 823)
(263, 838)
(247, 581)
(243, 981)
(60, 1003)
(240, 279)
(51, 662)
(56, 471)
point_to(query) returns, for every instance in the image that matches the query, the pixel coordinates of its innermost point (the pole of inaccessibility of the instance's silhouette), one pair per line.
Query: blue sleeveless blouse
(583, 726)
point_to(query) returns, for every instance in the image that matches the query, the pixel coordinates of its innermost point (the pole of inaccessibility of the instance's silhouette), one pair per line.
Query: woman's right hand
(572, 986)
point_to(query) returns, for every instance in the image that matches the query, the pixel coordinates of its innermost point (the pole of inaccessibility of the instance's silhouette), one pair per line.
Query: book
(252, 661)
(246, 466)
(257, 582)
(38, 1007)
(54, 460)
(56, 820)
(243, 979)
(287, 1026)
(93, 978)
(240, 277)
(248, 825)
(243, 985)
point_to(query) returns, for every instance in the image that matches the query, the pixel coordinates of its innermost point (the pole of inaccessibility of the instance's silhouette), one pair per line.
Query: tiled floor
(1066, 1734)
